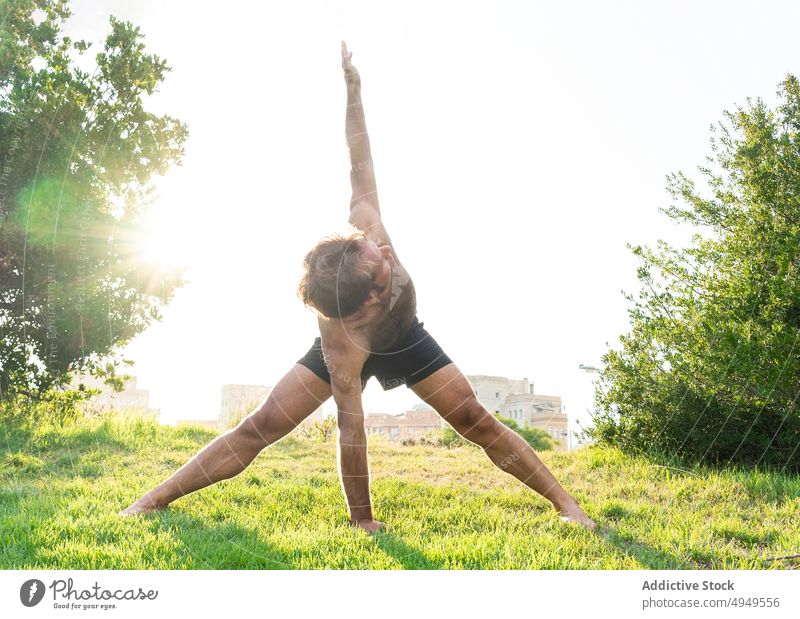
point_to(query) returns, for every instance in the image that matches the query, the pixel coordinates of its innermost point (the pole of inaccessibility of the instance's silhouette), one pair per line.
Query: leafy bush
(53, 407)
(538, 439)
(321, 430)
(451, 438)
(709, 370)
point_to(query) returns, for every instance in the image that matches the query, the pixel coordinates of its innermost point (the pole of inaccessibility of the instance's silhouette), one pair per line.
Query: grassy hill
(60, 490)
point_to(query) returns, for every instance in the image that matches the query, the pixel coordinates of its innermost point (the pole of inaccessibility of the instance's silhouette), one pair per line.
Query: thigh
(448, 391)
(298, 394)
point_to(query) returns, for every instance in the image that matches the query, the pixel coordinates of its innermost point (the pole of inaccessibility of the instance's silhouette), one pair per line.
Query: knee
(253, 433)
(477, 424)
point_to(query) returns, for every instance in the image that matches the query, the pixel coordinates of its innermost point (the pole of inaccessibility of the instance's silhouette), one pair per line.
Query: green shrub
(321, 430)
(537, 438)
(52, 408)
(709, 370)
(451, 438)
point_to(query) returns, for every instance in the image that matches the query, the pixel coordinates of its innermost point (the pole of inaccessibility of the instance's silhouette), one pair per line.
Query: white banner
(387, 594)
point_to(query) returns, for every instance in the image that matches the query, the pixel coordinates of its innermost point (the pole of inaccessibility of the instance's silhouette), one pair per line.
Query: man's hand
(351, 75)
(370, 526)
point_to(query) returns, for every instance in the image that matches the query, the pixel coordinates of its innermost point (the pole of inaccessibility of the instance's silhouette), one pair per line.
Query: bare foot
(370, 526)
(141, 506)
(573, 514)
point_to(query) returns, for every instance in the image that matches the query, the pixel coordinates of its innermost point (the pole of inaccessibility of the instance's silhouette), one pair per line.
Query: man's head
(343, 273)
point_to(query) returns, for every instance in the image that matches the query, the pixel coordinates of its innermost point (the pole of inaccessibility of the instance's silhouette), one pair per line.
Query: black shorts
(414, 357)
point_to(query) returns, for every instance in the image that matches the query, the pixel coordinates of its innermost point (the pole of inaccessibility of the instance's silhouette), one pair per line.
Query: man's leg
(450, 394)
(295, 397)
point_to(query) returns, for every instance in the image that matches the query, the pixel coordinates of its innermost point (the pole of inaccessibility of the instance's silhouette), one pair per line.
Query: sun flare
(165, 244)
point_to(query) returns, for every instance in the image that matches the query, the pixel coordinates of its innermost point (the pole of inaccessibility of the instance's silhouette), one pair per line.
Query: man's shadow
(206, 544)
(652, 558)
(409, 557)
(215, 544)
(649, 556)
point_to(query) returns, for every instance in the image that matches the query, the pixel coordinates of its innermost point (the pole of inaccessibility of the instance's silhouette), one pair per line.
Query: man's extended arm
(345, 362)
(352, 452)
(362, 174)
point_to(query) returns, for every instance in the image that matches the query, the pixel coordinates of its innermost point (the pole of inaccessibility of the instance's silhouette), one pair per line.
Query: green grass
(60, 491)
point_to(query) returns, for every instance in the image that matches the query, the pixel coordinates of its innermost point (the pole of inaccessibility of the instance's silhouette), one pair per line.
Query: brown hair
(335, 281)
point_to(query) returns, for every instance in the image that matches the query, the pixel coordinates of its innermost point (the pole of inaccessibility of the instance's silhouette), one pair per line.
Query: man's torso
(400, 313)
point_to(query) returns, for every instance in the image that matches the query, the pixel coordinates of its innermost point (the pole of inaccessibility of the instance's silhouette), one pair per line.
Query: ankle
(564, 503)
(152, 501)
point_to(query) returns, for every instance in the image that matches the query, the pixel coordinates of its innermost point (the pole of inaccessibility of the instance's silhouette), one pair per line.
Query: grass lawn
(60, 491)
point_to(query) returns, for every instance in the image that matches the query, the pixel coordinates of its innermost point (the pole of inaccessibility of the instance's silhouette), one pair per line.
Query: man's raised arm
(362, 175)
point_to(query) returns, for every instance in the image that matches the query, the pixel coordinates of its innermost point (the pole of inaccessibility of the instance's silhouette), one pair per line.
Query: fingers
(350, 72)
(345, 54)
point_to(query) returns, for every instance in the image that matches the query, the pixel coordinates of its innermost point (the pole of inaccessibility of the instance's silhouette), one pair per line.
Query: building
(517, 400)
(411, 424)
(130, 399)
(238, 401)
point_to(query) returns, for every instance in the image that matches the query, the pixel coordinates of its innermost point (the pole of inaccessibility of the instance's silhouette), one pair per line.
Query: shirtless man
(366, 307)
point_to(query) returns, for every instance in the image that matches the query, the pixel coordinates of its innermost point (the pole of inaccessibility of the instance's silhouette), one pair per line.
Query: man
(366, 308)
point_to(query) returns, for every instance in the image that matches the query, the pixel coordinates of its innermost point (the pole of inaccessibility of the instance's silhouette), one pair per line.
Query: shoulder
(342, 344)
(343, 357)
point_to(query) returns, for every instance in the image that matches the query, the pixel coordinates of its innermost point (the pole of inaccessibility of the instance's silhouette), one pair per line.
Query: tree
(78, 151)
(537, 438)
(710, 371)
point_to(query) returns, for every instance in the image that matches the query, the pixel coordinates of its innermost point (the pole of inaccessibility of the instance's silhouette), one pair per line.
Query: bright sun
(164, 243)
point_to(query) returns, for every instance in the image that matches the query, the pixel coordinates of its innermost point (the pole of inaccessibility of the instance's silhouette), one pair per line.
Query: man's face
(380, 261)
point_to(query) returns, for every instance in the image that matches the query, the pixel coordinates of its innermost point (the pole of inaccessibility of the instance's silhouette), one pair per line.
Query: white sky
(518, 146)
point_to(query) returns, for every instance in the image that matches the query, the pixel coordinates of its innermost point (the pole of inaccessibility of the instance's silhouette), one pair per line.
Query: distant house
(239, 400)
(131, 400)
(411, 424)
(517, 400)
